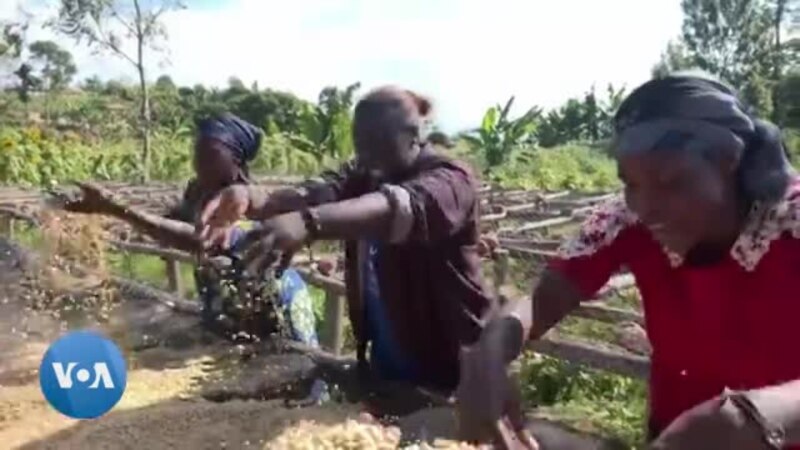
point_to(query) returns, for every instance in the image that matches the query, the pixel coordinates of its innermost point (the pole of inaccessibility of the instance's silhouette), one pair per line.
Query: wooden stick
(174, 276)
(334, 318)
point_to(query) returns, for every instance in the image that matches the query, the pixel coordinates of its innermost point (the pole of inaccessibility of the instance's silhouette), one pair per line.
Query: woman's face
(214, 164)
(382, 147)
(682, 198)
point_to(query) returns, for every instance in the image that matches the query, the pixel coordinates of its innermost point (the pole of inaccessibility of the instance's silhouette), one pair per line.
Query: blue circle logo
(83, 375)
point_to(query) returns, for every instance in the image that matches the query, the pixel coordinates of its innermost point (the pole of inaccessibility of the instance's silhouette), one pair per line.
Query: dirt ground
(186, 388)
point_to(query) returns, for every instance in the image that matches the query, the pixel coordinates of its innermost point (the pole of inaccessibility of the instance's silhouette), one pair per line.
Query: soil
(187, 389)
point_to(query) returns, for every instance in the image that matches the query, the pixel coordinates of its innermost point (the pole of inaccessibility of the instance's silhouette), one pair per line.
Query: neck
(730, 224)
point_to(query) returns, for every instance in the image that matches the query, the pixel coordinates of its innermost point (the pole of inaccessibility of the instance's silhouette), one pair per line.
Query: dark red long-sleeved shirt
(732, 324)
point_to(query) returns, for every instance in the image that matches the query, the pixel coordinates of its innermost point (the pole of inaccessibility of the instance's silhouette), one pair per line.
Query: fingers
(216, 238)
(505, 437)
(515, 415)
(513, 406)
(209, 213)
(260, 255)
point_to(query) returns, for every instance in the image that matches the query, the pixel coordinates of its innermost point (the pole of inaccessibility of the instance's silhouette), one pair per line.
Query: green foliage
(742, 43)
(731, 39)
(567, 167)
(56, 65)
(788, 92)
(30, 157)
(590, 400)
(325, 129)
(587, 118)
(12, 39)
(675, 58)
(499, 136)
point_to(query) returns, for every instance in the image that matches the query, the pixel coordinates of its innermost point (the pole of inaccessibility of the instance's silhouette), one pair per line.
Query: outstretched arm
(170, 232)
(366, 217)
(329, 187)
(584, 265)
(95, 199)
(428, 208)
(554, 298)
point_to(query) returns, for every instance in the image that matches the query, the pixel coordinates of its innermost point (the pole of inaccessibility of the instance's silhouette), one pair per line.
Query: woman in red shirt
(709, 226)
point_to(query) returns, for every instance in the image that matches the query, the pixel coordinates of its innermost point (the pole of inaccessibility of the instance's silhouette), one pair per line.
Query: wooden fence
(590, 354)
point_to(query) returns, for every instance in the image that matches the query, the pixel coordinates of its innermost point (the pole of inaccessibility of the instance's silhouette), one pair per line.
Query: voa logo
(83, 375)
(101, 373)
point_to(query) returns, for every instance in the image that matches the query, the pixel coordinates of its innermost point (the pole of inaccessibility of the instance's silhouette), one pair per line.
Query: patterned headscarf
(241, 137)
(686, 112)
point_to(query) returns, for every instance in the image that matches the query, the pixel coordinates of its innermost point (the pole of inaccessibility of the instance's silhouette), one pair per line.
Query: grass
(589, 400)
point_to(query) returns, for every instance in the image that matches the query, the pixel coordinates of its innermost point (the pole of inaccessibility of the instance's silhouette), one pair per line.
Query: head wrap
(686, 112)
(242, 138)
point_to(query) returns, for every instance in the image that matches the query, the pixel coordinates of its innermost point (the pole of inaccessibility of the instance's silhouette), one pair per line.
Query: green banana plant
(499, 136)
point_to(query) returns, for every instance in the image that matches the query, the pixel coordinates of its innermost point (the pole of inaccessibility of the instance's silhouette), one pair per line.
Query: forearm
(169, 232)
(781, 405)
(264, 205)
(552, 300)
(365, 217)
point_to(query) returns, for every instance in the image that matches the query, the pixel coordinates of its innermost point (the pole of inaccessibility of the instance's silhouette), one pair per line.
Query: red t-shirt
(735, 324)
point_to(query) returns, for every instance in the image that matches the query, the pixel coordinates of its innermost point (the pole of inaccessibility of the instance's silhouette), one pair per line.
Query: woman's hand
(281, 236)
(93, 199)
(714, 424)
(488, 402)
(220, 213)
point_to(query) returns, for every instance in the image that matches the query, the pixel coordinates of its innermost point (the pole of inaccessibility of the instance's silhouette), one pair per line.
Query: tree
(790, 99)
(92, 84)
(12, 39)
(785, 52)
(55, 66)
(28, 82)
(12, 44)
(326, 127)
(165, 83)
(729, 38)
(588, 118)
(105, 24)
(674, 58)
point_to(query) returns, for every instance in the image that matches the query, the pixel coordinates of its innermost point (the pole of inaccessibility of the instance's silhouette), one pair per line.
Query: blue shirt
(386, 356)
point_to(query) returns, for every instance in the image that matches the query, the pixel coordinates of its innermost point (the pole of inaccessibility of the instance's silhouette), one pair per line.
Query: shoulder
(767, 225)
(602, 227)
(436, 166)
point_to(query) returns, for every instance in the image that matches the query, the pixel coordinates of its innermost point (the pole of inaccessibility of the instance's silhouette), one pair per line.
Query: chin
(677, 247)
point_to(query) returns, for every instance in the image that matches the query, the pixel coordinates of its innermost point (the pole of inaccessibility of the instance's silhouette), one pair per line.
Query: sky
(466, 55)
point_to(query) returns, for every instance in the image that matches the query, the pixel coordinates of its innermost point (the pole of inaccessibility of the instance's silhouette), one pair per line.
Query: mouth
(667, 237)
(661, 232)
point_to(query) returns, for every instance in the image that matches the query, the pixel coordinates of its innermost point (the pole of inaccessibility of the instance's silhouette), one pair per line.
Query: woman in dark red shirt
(409, 216)
(709, 225)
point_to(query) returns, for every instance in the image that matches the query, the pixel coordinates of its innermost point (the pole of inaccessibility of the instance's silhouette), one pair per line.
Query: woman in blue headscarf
(224, 146)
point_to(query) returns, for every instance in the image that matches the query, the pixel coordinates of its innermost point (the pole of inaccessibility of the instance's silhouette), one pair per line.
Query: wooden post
(501, 260)
(334, 315)
(174, 276)
(128, 263)
(6, 227)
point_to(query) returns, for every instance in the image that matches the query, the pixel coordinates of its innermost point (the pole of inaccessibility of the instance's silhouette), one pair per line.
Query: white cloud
(466, 54)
